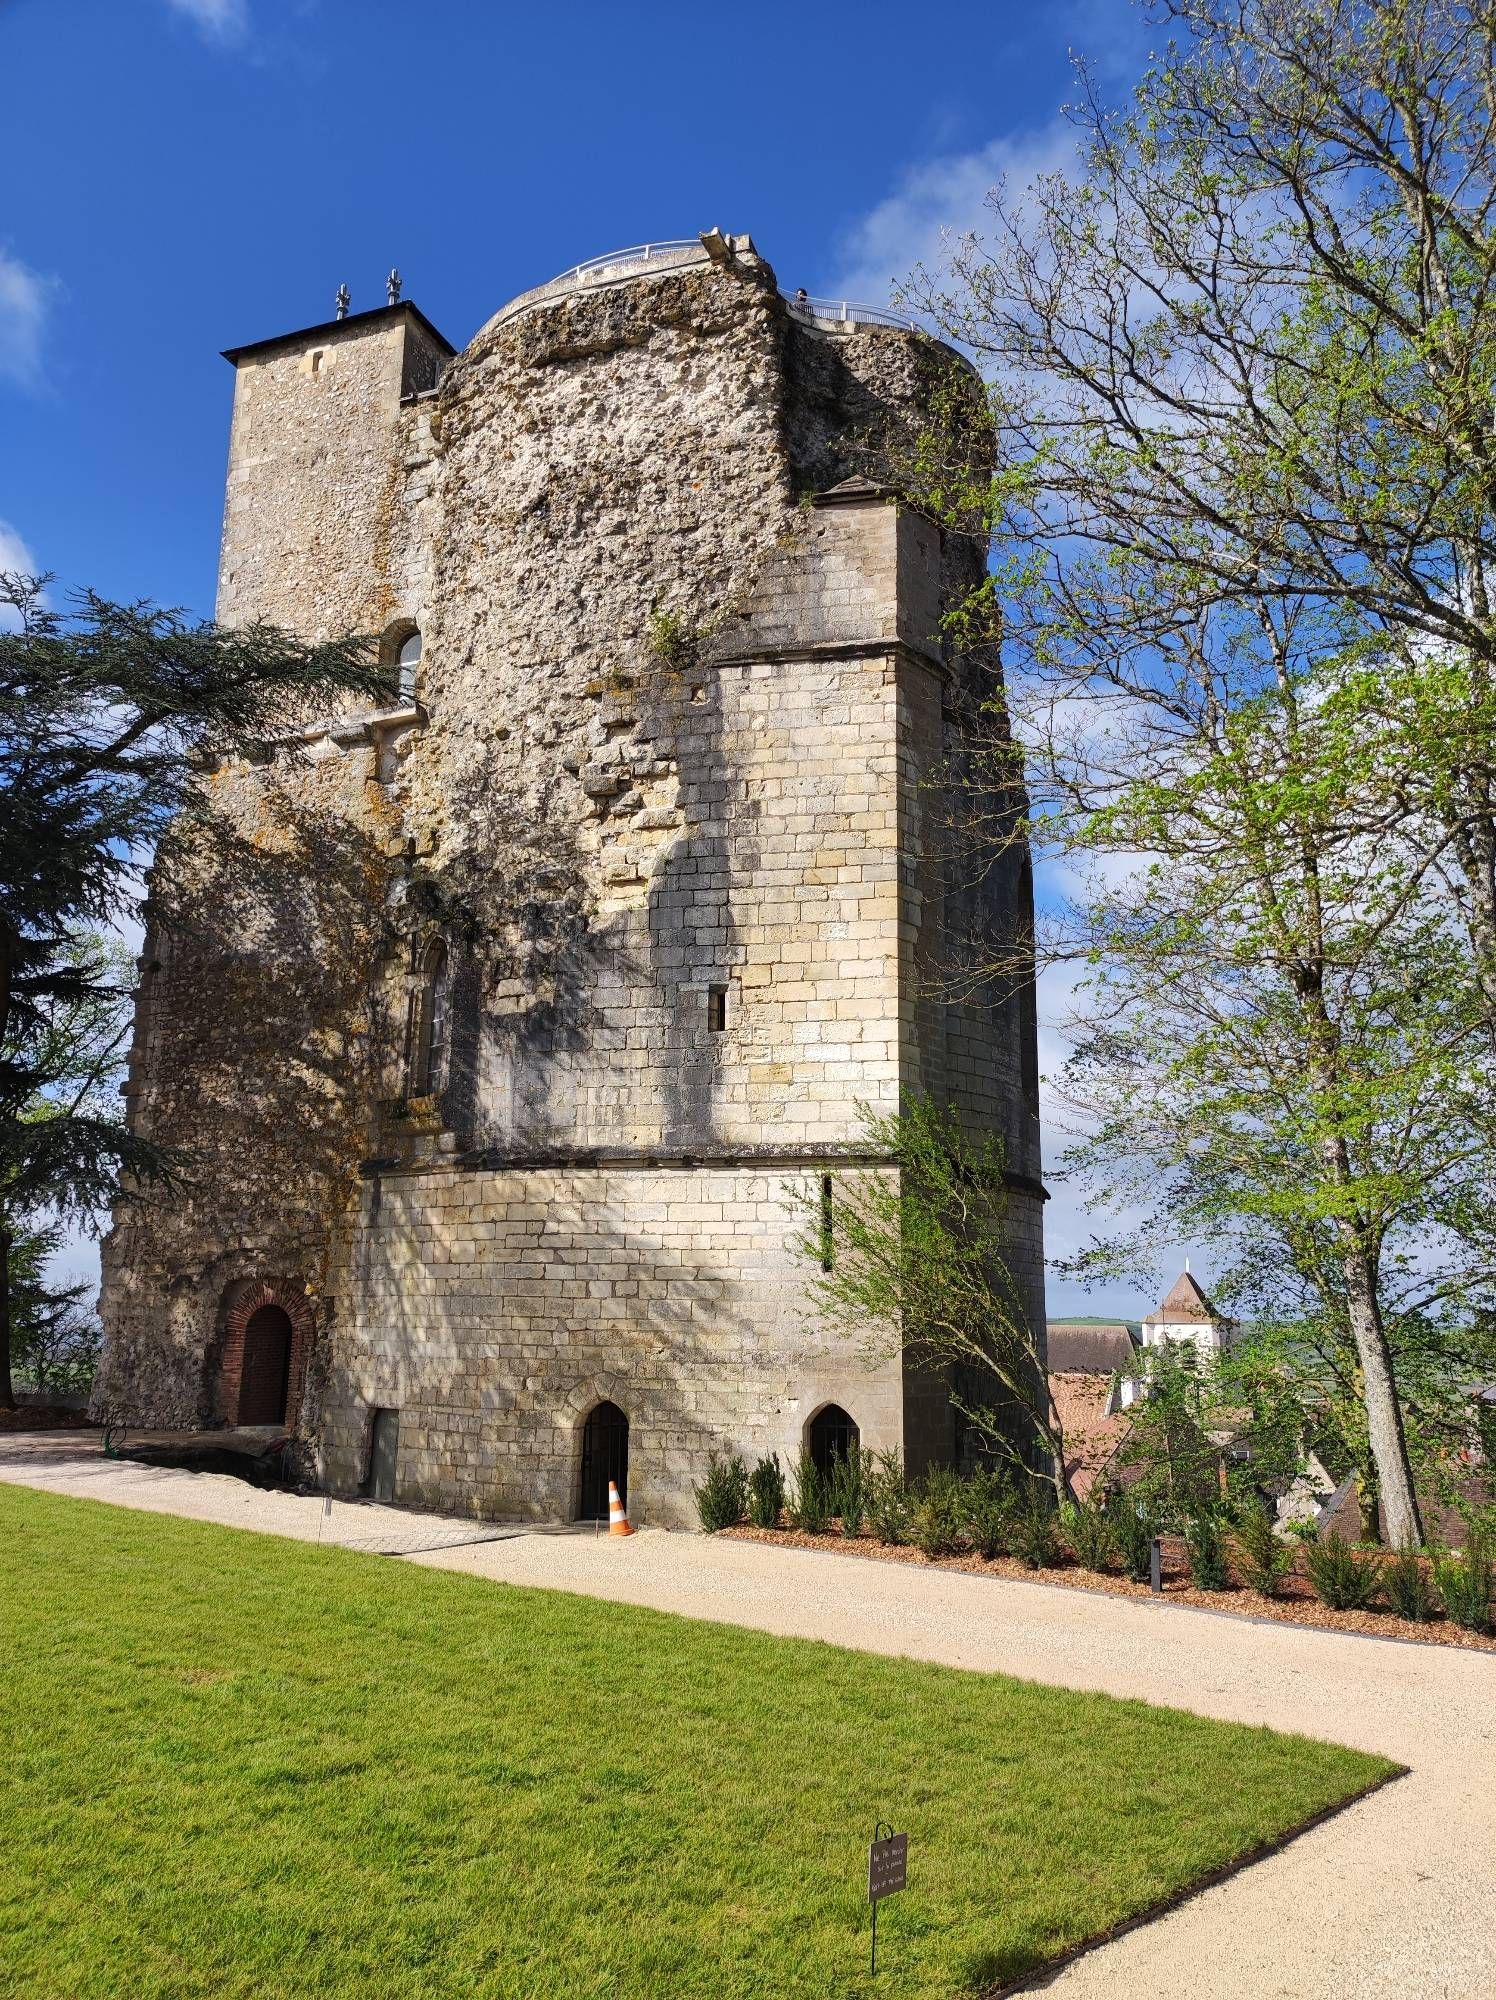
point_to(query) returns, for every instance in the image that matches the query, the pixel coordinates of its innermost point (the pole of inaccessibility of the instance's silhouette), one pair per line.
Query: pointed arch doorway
(605, 1456)
(831, 1435)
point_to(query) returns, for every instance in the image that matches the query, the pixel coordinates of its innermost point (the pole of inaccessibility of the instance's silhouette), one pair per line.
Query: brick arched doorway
(267, 1339)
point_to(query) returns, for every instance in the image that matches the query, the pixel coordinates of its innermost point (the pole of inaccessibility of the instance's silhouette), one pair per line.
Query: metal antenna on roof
(341, 302)
(392, 287)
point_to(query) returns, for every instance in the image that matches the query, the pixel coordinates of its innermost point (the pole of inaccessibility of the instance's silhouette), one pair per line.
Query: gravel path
(1395, 1898)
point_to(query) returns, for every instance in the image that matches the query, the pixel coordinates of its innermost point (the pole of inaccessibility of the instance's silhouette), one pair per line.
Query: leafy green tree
(1283, 1054)
(1242, 369)
(1243, 363)
(1170, 1462)
(106, 712)
(64, 1144)
(54, 1333)
(912, 1255)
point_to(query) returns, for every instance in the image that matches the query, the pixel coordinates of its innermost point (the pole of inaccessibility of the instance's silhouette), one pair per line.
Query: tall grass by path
(237, 1765)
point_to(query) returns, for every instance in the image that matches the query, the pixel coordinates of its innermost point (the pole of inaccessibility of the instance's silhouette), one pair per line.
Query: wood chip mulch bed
(1297, 1606)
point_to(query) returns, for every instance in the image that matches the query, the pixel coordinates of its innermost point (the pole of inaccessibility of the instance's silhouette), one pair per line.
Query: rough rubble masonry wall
(682, 694)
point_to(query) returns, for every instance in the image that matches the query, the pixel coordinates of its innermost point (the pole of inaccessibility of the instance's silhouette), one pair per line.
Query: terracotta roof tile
(1091, 1437)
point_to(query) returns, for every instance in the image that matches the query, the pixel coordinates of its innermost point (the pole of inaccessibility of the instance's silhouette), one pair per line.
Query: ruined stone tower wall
(680, 707)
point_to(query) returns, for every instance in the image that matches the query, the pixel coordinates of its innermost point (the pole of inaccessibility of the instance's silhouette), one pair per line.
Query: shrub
(846, 1490)
(1342, 1579)
(937, 1523)
(1408, 1588)
(722, 1497)
(1089, 1530)
(1465, 1585)
(1205, 1549)
(1262, 1556)
(812, 1504)
(987, 1509)
(1135, 1540)
(886, 1497)
(766, 1492)
(1035, 1537)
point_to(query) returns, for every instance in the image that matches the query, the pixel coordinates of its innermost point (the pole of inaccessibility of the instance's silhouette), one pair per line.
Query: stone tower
(500, 1021)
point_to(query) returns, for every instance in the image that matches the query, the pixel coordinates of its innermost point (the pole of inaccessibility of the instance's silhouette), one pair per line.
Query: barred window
(426, 1061)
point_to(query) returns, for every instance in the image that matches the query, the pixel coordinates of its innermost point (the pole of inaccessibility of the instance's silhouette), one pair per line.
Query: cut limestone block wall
(497, 1022)
(494, 1310)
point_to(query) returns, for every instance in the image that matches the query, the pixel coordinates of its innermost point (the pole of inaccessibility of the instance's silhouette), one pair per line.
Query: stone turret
(554, 974)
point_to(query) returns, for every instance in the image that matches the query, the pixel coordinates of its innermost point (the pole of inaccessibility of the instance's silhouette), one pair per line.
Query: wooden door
(266, 1374)
(383, 1448)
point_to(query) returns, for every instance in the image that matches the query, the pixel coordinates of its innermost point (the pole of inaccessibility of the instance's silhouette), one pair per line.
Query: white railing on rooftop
(637, 253)
(848, 312)
(597, 270)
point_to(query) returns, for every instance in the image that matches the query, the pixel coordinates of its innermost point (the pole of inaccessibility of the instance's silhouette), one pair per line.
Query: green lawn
(242, 1766)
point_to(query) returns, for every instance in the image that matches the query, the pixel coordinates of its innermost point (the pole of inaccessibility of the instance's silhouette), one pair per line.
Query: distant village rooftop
(1091, 1347)
(1188, 1318)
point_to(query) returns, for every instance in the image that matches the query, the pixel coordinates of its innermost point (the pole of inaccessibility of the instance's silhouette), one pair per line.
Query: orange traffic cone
(618, 1516)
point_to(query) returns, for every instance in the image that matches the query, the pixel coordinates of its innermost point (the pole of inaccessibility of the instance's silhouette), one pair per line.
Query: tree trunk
(7, 1390)
(1384, 1424)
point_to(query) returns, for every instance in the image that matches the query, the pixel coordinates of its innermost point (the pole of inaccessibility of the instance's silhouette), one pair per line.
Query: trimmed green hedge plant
(722, 1497)
(1342, 1579)
(766, 1492)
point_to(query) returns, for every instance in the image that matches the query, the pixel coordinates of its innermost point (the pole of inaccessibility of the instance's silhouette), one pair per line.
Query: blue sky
(185, 175)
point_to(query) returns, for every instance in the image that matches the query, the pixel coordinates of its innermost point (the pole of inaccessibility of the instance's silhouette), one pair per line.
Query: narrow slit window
(408, 659)
(426, 1041)
(1028, 1045)
(828, 1241)
(716, 1010)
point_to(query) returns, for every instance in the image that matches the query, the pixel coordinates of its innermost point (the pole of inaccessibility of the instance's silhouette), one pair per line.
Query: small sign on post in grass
(887, 1871)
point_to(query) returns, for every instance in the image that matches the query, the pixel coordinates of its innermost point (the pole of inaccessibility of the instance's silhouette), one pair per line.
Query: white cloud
(25, 299)
(939, 200)
(14, 553)
(16, 557)
(223, 21)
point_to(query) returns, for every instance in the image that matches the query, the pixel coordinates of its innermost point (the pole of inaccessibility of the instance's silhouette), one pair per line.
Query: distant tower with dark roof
(1187, 1318)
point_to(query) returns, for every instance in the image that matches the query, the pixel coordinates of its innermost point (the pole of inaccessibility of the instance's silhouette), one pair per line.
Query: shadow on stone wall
(487, 1371)
(259, 1044)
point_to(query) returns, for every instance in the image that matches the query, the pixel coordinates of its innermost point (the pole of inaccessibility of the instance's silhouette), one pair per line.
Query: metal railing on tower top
(637, 253)
(848, 312)
(843, 312)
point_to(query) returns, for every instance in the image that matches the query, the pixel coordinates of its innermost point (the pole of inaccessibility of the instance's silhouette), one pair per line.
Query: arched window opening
(833, 1436)
(426, 1062)
(605, 1456)
(400, 656)
(265, 1376)
(408, 659)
